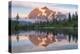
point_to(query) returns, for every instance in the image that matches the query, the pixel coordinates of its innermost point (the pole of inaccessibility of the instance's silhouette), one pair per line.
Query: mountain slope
(42, 13)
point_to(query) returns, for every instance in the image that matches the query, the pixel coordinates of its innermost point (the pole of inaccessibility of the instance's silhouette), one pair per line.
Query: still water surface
(26, 41)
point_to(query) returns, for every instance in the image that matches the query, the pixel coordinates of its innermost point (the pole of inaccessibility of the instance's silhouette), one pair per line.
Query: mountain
(42, 13)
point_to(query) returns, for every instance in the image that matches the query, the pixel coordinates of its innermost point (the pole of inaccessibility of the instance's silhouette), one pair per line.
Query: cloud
(41, 4)
(27, 4)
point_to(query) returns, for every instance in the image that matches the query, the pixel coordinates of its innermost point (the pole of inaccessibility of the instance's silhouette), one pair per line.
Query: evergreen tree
(76, 15)
(73, 16)
(16, 26)
(17, 17)
(69, 16)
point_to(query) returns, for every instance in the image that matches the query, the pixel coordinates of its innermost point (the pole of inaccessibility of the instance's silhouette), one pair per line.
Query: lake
(44, 40)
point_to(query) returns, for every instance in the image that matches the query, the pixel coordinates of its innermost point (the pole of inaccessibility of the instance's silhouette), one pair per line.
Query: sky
(23, 8)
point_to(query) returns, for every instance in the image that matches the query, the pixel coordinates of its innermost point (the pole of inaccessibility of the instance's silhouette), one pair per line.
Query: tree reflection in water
(17, 37)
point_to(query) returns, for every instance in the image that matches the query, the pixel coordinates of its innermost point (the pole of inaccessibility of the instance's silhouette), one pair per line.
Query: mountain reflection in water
(32, 39)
